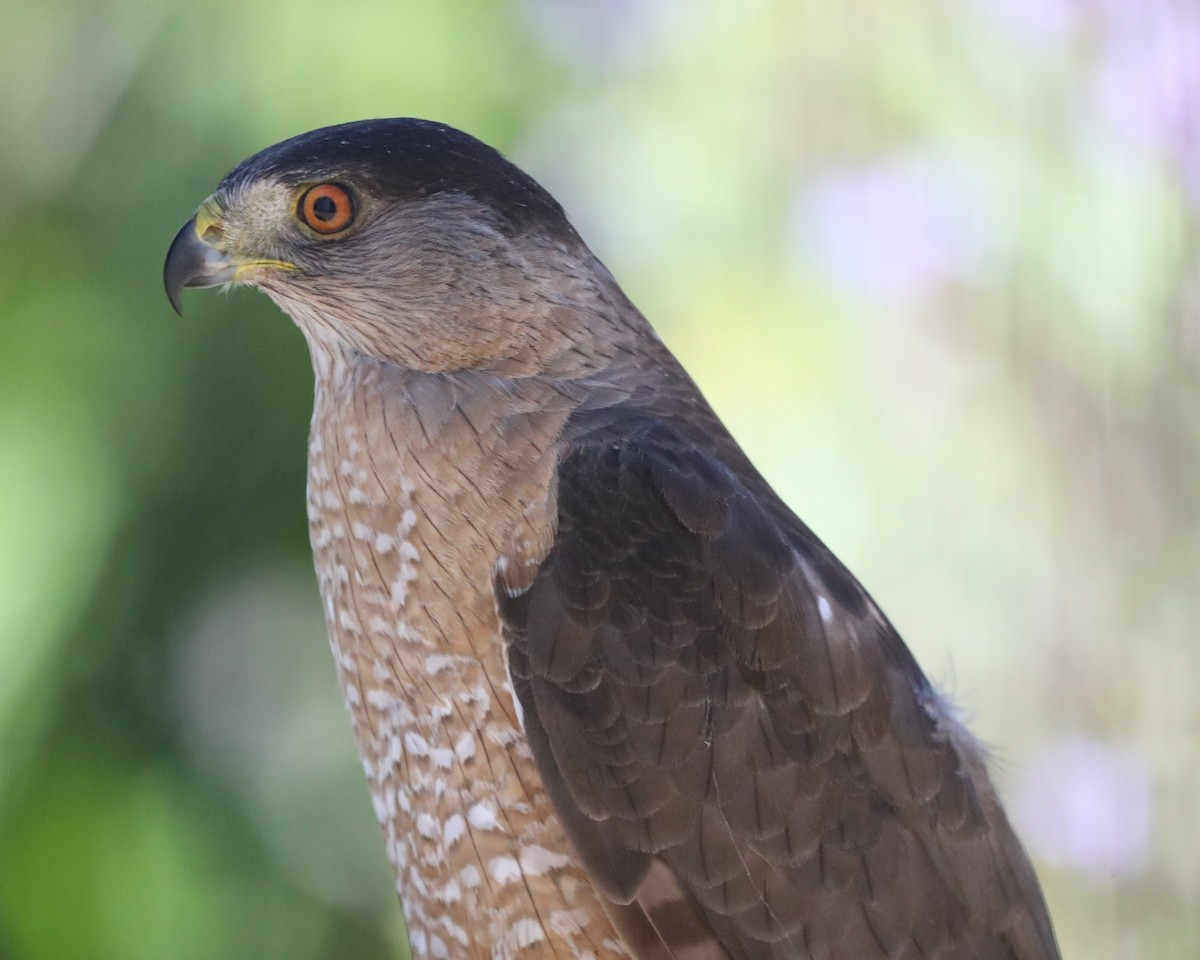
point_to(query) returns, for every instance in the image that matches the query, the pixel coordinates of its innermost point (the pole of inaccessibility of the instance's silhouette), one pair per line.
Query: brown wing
(745, 754)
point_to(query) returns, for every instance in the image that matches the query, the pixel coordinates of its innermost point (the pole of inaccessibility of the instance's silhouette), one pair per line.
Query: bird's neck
(422, 489)
(562, 320)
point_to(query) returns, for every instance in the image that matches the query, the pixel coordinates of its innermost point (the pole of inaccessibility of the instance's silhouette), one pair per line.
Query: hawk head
(403, 240)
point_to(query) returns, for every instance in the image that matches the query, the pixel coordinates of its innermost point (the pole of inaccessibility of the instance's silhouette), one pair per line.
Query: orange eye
(327, 208)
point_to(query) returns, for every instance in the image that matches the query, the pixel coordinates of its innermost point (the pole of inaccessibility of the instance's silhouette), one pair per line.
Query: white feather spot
(452, 928)
(427, 826)
(437, 662)
(517, 708)
(380, 627)
(504, 869)
(416, 744)
(455, 827)
(537, 860)
(400, 590)
(525, 933)
(464, 748)
(470, 876)
(380, 699)
(482, 816)
(567, 923)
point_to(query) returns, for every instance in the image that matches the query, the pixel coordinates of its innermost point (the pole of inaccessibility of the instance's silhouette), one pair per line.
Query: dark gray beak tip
(185, 261)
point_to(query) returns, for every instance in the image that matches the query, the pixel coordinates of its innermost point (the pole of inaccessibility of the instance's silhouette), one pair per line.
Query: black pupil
(324, 208)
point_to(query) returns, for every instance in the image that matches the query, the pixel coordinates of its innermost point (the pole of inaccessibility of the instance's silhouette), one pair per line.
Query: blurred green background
(936, 263)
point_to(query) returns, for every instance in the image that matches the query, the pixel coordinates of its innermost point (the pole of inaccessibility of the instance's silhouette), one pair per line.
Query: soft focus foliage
(937, 263)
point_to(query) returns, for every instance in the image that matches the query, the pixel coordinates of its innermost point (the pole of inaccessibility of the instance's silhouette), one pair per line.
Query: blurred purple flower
(1086, 805)
(1148, 80)
(893, 232)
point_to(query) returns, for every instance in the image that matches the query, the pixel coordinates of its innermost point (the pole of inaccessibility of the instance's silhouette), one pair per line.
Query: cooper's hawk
(612, 697)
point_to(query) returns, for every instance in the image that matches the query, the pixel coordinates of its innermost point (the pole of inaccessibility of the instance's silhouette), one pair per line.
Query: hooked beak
(199, 257)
